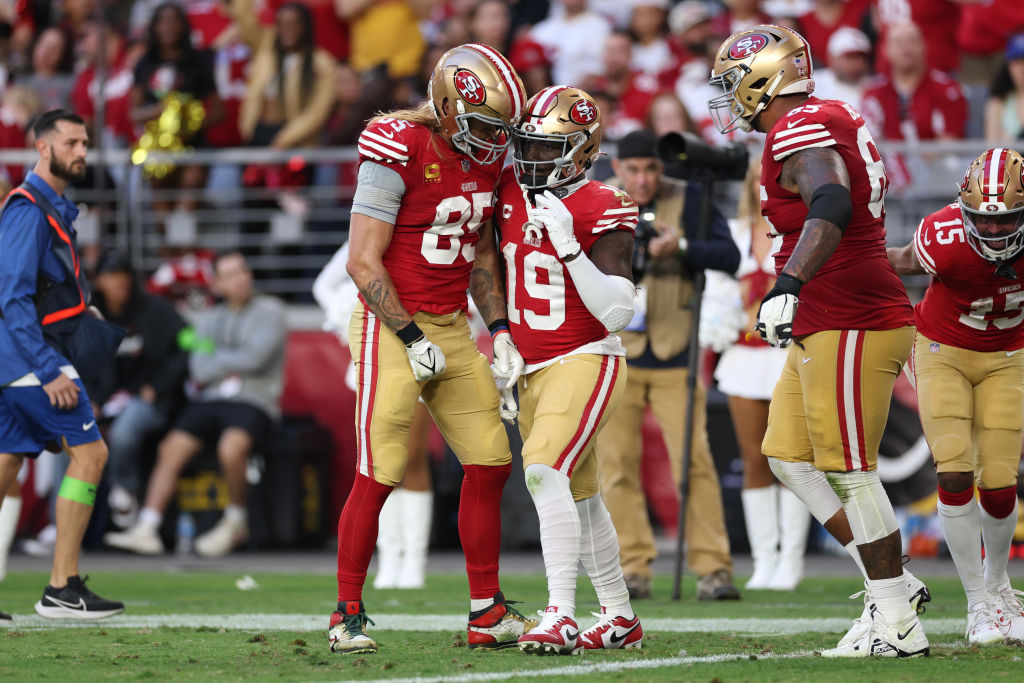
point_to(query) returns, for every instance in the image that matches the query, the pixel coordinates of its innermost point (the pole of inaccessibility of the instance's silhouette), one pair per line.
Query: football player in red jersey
(970, 377)
(425, 188)
(822, 188)
(567, 243)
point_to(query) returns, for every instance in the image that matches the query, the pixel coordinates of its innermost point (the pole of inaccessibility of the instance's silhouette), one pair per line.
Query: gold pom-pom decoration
(182, 117)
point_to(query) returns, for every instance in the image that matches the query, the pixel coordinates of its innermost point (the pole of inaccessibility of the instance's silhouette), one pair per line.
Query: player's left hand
(508, 362)
(508, 407)
(551, 213)
(778, 308)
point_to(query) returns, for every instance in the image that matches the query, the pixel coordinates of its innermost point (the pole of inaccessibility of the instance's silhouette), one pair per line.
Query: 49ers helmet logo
(469, 87)
(583, 112)
(748, 45)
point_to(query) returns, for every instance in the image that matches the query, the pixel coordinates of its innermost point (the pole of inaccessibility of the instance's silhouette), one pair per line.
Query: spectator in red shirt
(912, 102)
(691, 32)
(117, 124)
(631, 90)
(214, 30)
(938, 20)
(982, 33)
(818, 25)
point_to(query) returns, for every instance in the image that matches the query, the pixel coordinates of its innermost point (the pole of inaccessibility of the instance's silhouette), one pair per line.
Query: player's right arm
(378, 198)
(904, 260)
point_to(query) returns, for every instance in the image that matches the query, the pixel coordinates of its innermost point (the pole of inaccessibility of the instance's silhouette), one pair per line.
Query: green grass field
(200, 626)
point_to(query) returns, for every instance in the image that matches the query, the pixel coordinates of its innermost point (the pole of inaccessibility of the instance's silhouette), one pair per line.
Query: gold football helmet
(753, 67)
(991, 201)
(557, 139)
(477, 98)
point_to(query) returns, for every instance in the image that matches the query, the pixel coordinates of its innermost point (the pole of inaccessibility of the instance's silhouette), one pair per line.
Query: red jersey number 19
(552, 291)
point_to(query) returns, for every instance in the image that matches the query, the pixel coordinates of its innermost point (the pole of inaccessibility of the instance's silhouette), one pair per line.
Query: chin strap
(1005, 270)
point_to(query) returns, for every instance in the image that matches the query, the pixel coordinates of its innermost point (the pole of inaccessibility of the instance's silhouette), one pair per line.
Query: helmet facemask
(998, 248)
(544, 161)
(728, 103)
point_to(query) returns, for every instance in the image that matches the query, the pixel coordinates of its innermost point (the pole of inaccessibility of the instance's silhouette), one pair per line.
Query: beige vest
(669, 283)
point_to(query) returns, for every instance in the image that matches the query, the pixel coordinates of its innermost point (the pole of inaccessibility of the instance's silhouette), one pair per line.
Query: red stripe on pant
(841, 399)
(600, 412)
(858, 403)
(582, 432)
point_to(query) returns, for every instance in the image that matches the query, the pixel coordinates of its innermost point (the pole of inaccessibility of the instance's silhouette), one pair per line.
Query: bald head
(904, 43)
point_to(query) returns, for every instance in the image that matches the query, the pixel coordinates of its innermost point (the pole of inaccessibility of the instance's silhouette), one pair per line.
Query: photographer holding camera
(667, 253)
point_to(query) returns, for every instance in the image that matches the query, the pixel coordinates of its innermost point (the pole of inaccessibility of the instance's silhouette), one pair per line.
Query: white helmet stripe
(992, 174)
(544, 98)
(507, 75)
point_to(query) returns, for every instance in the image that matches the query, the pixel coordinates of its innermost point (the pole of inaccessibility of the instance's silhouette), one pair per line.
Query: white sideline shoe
(224, 537)
(142, 538)
(556, 634)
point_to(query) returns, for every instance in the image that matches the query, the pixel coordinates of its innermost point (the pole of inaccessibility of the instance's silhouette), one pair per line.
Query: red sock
(480, 526)
(998, 503)
(357, 535)
(958, 498)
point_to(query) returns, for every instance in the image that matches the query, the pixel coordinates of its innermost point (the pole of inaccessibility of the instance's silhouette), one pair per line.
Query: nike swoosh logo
(805, 361)
(616, 638)
(901, 636)
(387, 133)
(790, 124)
(571, 635)
(86, 426)
(80, 605)
(1010, 353)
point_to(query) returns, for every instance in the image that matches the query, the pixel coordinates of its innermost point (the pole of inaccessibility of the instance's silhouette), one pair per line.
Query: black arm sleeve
(719, 252)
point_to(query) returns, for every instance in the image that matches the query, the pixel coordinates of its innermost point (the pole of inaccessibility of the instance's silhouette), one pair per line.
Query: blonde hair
(422, 115)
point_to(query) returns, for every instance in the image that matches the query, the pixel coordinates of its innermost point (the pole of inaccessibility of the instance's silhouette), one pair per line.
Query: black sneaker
(6, 619)
(75, 601)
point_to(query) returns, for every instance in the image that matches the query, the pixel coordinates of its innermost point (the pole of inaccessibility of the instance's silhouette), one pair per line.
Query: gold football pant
(972, 409)
(620, 451)
(463, 401)
(832, 400)
(562, 408)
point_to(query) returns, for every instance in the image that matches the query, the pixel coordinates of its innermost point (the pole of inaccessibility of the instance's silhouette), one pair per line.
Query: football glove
(778, 308)
(508, 363)
(551, 213)
(508, 407)
(426, 359)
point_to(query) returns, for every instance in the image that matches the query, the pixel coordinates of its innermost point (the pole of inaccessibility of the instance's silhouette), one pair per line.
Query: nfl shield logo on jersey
(933, 347)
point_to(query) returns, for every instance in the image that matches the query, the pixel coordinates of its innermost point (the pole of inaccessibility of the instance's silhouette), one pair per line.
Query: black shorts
(207, 420)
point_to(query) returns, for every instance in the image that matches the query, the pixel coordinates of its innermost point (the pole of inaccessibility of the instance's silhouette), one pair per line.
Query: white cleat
(882, 639)
(917, 595)
(1009, 614)
(982, 626)
(225, 536)
(141, 538)
(554, 635)
(917, 592)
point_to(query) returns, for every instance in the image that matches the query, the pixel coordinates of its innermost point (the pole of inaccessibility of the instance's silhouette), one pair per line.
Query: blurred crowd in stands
(309, 73)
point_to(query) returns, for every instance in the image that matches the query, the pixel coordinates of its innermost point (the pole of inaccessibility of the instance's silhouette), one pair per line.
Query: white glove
(551, 213)
(508, 408)
(508, 362)
(426, 359)
(721, 312)
(778, 308)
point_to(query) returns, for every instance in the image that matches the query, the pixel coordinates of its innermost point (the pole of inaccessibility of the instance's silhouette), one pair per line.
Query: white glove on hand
(551, 213)
(778, 308)
(508, 362)
(721, 312)
(508, 408)
(426, 359)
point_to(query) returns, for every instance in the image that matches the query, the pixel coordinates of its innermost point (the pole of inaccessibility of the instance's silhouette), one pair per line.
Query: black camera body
(645, 232)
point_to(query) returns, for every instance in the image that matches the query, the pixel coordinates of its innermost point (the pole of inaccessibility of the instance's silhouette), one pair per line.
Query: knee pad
(999, 503)
(809, 485)
(867, 507)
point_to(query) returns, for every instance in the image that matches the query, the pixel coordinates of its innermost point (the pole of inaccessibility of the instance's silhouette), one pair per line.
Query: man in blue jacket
(43, 295)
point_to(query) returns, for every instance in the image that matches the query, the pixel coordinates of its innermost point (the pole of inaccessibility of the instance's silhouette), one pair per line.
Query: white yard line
(455, 622)
(596, 667)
